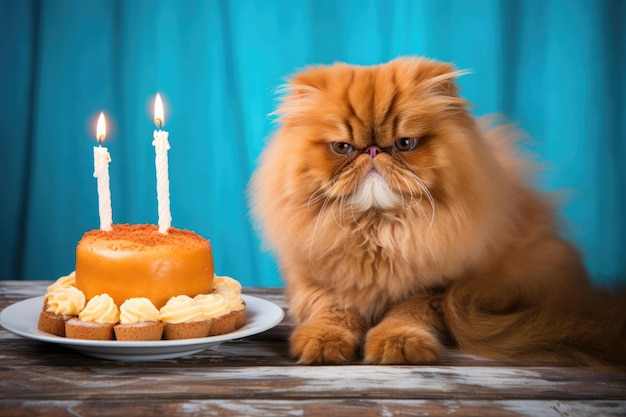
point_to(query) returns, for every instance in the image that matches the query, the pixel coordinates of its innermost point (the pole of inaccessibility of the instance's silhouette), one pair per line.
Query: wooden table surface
(256, 377)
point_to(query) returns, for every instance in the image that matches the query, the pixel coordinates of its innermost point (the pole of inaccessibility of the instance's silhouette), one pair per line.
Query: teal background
(557, 68)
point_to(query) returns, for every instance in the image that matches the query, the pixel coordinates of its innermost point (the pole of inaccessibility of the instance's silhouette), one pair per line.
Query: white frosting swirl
(100, 309)
(212, 305)
(138, 310)
(66, 301)
(232, 297)
(181, 309)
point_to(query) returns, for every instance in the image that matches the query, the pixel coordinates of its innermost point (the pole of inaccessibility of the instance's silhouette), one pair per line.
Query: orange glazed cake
(137, 261)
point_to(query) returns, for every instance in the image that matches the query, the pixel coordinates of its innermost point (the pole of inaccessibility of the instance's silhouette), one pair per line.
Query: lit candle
(161, 145)
(101, 159)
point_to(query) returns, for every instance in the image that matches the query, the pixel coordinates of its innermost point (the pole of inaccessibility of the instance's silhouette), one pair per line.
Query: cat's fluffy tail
(521, 323)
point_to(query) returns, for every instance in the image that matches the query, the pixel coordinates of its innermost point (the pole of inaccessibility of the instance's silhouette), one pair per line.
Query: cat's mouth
(373, 192)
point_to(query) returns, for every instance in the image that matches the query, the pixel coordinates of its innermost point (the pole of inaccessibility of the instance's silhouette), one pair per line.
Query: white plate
(22, 317)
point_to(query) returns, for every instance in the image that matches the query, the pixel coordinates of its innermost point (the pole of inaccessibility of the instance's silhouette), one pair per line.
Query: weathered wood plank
(214, 380)
(344, 408)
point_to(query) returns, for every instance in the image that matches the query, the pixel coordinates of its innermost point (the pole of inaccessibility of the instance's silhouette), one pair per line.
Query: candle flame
(158, 111)
(101, 129)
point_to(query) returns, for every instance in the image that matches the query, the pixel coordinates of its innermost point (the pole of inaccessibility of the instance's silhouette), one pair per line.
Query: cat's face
(384, 138)
(377, 174)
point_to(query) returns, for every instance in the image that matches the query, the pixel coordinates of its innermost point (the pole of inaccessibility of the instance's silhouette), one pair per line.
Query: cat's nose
(373, 151)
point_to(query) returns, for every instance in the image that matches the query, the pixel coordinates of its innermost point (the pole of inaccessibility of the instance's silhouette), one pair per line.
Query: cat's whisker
(339, 204)
(403, 194)
(324, 193)
(411, 194)
(335, 212)
(343, 209)
(354, 219)
(315, 227)
(425, 190)
(354, 190)
(316, 197)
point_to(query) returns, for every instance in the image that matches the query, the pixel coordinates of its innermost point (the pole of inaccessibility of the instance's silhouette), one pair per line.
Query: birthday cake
(134, 283)
(141, 282)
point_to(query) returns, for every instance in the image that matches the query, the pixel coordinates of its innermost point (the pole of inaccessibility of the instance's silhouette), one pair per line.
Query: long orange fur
(389, 253)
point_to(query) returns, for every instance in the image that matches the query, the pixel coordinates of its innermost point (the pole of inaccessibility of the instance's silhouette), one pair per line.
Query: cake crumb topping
(148, 234)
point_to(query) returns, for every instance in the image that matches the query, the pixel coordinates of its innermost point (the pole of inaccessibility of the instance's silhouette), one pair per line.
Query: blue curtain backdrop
(556, 67)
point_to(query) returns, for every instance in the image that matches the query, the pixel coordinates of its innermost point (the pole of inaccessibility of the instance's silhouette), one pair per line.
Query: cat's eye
(405, 144)
(341, 148)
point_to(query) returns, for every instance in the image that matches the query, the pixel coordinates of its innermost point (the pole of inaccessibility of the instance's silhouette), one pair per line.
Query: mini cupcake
(235, 303)
(95, 321)
(61, 304)
(63, 282)
(216, 309)
(183, 318)
(139, 320)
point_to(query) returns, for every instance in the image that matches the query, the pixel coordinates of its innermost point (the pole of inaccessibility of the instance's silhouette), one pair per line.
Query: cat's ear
(315, 79)
(297, 92)
(441, 79)
(434, 78)
(308, 82)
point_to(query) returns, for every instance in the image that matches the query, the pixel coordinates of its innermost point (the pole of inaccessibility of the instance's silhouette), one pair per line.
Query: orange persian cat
(402, 225)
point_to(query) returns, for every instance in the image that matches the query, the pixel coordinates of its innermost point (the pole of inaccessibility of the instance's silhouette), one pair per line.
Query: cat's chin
(375, 193)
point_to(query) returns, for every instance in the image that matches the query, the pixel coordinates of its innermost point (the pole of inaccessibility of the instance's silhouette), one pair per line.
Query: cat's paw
(400, 345)
(317, 343)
